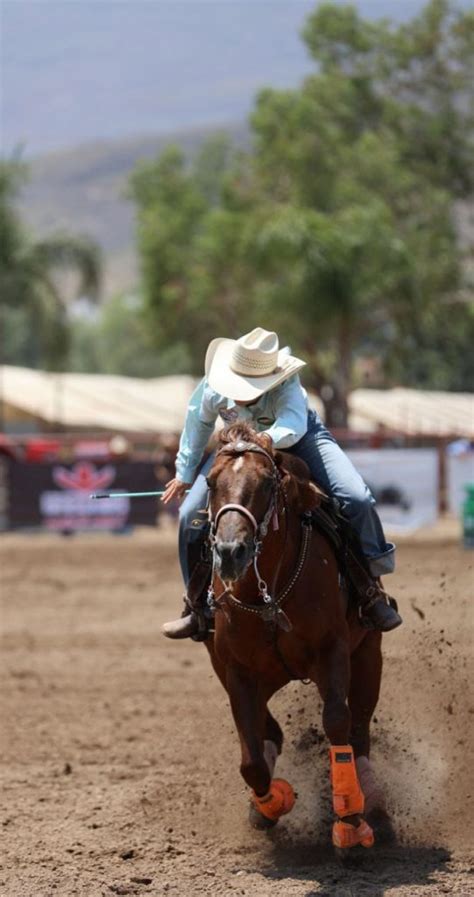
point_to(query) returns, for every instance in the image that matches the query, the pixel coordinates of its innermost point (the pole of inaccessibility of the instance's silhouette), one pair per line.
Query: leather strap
(234, 507)
(198, 582)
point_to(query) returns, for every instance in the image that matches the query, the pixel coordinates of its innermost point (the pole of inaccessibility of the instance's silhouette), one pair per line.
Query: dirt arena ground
(119, 759)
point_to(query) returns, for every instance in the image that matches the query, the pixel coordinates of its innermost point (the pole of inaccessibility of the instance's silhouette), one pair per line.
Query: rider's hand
(174, 489)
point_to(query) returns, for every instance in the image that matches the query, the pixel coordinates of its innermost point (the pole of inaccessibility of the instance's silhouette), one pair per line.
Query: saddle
(362, 589)
(353, 567)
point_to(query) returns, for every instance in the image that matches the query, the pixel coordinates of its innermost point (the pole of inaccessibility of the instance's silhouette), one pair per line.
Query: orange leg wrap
(345, 835)
(279, 800)
(347, 796)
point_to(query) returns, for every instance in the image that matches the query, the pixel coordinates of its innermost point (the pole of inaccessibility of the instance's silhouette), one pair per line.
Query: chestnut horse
(280, 615)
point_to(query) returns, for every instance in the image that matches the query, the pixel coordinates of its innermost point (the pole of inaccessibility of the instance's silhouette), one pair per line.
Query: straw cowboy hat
(245, 368)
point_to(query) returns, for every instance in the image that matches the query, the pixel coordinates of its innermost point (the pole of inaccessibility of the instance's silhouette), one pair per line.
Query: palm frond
(62, 251)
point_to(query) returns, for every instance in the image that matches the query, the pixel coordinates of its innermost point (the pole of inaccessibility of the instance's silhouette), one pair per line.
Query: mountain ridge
(83, 191)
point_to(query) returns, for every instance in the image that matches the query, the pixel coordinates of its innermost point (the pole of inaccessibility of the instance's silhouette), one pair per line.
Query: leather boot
(196, 619)
(378, 610)
(184, 627)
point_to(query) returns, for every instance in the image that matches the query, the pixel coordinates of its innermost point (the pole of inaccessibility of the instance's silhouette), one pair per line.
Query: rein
(270, 611)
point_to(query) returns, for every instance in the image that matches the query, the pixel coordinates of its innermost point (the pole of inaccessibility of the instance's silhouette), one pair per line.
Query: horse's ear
(307, 495)
(266, 442)
(279, 457)
(302, 494)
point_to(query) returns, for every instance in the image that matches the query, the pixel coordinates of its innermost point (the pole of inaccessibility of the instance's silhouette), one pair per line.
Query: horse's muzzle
(232, 559)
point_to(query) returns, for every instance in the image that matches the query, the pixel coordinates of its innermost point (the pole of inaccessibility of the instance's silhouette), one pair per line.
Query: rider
(251, 379)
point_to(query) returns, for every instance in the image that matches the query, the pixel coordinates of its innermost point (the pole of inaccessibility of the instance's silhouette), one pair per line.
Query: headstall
(270, 611)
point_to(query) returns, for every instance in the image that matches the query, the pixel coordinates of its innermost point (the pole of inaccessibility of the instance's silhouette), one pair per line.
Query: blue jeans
(331, 468)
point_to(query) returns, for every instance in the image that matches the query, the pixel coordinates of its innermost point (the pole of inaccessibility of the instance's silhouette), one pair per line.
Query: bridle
(260, 530)
(270, 611)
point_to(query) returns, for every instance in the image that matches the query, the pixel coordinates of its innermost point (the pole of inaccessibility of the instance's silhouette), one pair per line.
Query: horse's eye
(209, 482)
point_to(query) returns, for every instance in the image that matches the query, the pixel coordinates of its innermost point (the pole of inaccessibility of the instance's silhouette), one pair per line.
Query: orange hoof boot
(345, 835)
(279, 800)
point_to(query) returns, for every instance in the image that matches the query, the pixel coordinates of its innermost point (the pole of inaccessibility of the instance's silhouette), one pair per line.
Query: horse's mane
(301, 492)
(243, 432)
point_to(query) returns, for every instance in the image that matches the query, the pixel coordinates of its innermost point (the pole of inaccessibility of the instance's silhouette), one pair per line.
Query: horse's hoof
(259, 821)
(279, 801)
(345, 835)
(381, 824)
(350, 857)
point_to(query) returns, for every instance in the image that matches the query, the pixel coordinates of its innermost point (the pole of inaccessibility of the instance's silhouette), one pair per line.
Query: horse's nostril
(230, 552)
(224, 550)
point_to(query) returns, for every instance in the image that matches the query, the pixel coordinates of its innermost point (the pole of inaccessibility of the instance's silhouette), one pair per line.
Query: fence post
(442, 477)
(4, 492)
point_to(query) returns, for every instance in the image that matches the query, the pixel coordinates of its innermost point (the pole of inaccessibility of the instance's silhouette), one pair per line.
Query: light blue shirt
(282, 413)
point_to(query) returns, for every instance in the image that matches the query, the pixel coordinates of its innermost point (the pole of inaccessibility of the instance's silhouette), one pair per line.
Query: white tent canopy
(414, 412)
(128, 404)
(96, 401)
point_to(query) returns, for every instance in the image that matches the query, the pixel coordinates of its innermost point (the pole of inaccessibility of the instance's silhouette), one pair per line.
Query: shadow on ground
(367, 873)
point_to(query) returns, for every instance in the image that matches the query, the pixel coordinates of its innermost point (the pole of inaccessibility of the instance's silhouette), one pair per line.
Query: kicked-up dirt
(120, 764)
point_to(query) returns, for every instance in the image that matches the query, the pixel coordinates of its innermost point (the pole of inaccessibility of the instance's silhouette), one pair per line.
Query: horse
(279, 615)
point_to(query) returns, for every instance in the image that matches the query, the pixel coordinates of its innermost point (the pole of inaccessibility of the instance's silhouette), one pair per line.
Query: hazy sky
(79, 70)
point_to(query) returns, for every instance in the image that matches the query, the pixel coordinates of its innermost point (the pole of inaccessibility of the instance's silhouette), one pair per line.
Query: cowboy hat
(245, 368)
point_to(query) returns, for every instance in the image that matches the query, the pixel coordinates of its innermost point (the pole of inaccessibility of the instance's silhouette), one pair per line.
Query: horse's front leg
(271, 798)
(348, 799)
(366, 674)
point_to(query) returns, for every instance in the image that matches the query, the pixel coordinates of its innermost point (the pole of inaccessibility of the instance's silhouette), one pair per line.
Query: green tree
(30, 289)
(337, 229)
(170, 209)
(191, 231)
(117, 339)
(415, 79)
(358, 236)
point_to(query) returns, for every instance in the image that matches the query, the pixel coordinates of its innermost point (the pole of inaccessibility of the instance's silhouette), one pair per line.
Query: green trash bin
(468, 517)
